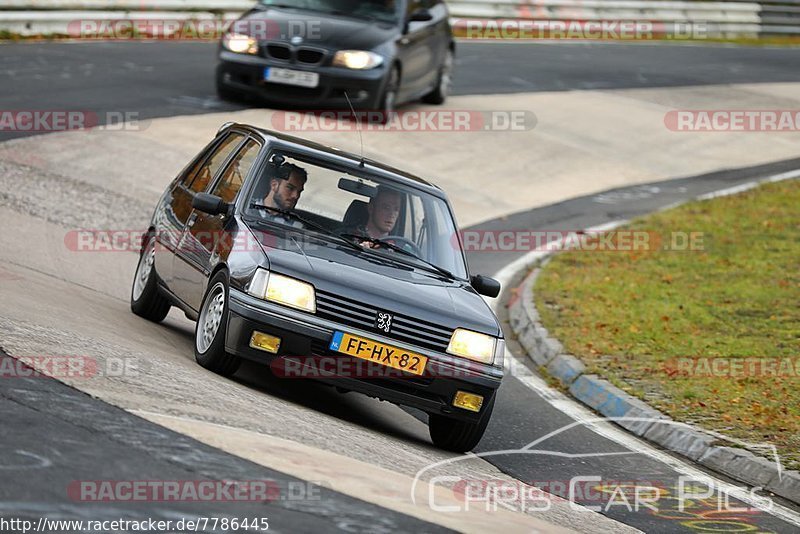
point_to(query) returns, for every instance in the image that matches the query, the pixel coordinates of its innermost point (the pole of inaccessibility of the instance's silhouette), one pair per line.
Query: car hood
(335, 32)
(391, 286)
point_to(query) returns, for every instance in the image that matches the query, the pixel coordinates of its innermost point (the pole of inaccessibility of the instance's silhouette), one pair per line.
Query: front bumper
(305, 335)
(245, 74)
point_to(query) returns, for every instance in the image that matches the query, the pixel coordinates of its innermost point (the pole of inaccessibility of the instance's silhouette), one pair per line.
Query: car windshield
(383, 10)
(381, 217)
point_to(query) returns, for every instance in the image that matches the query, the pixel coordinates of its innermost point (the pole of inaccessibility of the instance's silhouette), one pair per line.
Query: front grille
(360, 315)
(281, 52)
(308, 55)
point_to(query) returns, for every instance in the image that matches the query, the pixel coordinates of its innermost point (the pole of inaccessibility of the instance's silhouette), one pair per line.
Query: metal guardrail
(726, 19)
(713, 19)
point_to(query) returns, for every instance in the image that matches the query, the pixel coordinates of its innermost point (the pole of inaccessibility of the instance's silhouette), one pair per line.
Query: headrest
(356, 214)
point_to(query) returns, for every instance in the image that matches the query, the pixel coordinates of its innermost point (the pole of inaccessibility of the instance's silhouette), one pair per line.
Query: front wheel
(388, 99)
(442, 89)
(209, 332)
(146, 301)
(458, 436)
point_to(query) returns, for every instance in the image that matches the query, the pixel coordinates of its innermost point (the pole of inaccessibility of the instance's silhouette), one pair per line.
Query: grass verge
(710, 336)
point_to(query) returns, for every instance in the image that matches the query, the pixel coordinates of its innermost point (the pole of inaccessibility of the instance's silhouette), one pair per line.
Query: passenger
(285, 189)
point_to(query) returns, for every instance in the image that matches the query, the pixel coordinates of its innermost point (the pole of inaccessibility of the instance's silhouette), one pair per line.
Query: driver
(382, 210)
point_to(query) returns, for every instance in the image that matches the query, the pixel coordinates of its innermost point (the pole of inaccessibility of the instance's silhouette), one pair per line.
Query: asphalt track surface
(92, 440)
(156, 79)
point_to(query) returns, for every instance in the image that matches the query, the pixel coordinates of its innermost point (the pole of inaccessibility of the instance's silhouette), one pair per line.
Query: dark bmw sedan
(311, 53)
(327, 266)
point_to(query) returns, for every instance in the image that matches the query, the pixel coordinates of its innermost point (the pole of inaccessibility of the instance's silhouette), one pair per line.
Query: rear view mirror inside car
(357, 187)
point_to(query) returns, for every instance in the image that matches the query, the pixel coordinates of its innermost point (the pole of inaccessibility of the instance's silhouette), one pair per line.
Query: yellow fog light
(265, 342)
(468, 401)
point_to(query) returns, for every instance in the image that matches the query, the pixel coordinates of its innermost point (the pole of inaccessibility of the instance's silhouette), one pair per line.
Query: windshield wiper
(311, 224)
(392, 246)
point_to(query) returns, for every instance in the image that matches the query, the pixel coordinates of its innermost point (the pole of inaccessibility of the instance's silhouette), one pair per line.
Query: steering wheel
(403, 242)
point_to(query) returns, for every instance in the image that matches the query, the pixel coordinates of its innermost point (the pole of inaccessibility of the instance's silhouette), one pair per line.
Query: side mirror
(211, 204)
(420, 15)
(485, 285)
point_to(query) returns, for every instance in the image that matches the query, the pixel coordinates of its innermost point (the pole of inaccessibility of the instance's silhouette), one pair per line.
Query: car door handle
(404, 41)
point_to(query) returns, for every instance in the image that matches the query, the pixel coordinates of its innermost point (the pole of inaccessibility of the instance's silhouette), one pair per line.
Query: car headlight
(239, 43)
(472, 345)
(356, 59)
(283, 290)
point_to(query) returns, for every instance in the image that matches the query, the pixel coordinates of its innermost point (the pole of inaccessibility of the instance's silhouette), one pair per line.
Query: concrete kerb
(631, 413)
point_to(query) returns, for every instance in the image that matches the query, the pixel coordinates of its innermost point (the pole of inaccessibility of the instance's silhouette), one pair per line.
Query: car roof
(385, 171)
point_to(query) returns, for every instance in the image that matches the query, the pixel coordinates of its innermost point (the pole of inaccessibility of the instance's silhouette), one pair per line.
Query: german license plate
(291, 77)
(366, 349)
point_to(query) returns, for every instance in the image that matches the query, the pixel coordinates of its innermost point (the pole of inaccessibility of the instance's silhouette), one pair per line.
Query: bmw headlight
(472, 345)
(239, 43)
(283, 290)
(356, 59)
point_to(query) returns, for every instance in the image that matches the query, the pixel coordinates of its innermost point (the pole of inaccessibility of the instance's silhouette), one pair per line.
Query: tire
(388, 100)
(209, 331)
(458, 436)
(442, 89)
(146, 301)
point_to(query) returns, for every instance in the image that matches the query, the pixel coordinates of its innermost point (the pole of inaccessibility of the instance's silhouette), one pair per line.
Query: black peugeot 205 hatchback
(328, 266)
(320, 53)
